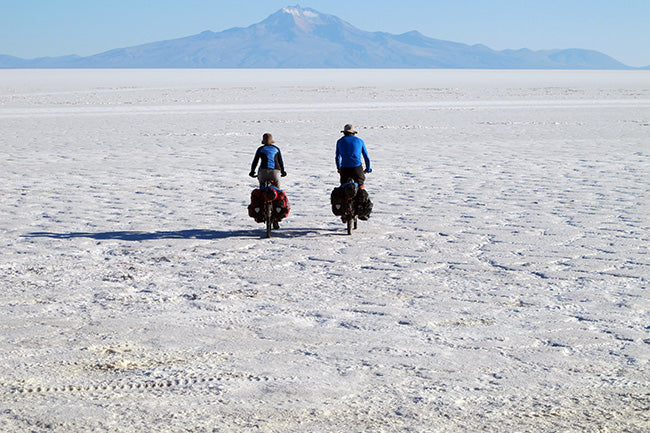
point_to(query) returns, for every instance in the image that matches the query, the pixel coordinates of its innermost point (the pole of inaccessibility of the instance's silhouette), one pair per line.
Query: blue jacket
(349, 150)
(270, 156)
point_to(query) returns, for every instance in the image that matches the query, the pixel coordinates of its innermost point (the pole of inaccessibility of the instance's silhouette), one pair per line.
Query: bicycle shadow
(203, 234)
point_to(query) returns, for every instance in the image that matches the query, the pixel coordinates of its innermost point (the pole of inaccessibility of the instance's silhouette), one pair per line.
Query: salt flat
(500, 284)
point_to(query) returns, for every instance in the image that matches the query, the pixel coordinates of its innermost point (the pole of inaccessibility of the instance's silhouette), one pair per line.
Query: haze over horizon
(31, 29)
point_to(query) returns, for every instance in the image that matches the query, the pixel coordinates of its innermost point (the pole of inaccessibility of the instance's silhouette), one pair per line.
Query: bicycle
(268, 205)
(269, 195)
(344, 204)
(350, 215)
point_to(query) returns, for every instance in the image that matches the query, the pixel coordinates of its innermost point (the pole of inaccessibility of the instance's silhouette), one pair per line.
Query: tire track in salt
(189, 382)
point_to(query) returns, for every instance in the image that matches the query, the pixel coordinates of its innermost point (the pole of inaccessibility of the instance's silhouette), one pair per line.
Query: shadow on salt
(138, 236)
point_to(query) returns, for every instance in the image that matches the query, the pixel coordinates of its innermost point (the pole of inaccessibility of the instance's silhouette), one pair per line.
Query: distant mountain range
(296, 37)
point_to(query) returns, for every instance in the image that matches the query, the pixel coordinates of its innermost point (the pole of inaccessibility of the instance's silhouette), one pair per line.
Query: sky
(618, 28)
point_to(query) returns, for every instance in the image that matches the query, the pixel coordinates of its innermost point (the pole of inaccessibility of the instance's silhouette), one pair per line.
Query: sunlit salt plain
(501, 284)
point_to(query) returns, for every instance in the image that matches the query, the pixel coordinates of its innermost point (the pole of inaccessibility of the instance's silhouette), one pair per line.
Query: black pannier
(340, 195)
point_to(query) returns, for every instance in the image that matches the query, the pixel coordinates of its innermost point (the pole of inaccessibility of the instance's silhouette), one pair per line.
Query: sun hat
(349, 129)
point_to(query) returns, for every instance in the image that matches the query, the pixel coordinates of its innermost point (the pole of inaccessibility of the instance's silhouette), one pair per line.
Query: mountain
(296, 37)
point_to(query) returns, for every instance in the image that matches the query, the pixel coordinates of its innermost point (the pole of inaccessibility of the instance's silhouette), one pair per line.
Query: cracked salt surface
(500, 284)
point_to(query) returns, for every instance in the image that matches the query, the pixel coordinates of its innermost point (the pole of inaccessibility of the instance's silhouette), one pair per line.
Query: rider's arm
(337, 158)
(279, 162)
(364, 153)
(255, 161)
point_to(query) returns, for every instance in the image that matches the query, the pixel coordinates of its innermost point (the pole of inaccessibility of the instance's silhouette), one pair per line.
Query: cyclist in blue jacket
(349, 151)
(271, 163)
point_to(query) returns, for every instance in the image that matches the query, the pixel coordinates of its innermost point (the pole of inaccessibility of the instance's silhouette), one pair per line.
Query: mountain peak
(301, 20)
(305, 19)
(299, 12)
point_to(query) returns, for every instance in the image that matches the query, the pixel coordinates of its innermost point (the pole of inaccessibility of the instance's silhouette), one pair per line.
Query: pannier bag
(281, 206)
(340, 195)
(280, 203)
(363, 205)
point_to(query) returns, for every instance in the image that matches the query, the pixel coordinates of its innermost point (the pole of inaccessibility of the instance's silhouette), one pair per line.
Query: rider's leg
(271, 175)
(354, 173)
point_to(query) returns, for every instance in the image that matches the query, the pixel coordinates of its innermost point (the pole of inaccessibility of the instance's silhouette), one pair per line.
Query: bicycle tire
(267, 218)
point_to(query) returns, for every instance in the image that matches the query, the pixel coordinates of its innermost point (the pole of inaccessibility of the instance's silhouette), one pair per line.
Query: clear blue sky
(619, 28)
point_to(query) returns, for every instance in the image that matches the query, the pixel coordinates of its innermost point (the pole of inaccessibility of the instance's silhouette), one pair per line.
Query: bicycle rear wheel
(267, 218)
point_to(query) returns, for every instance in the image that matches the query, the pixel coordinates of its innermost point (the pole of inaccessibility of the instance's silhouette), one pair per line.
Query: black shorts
(354, 173)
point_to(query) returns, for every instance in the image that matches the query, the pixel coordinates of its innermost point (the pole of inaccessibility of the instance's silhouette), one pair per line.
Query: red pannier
(277, 196)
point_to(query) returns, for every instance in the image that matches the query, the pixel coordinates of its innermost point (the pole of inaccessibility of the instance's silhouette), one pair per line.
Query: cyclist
(271, 163)
(349, 151)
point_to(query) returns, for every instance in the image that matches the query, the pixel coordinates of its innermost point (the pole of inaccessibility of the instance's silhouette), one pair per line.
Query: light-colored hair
(267, 139)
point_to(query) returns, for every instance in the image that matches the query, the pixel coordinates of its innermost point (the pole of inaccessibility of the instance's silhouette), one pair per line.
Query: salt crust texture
(499, 285)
